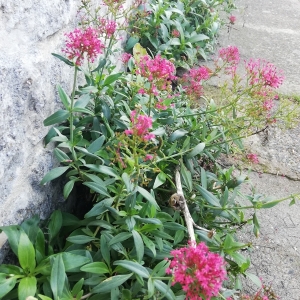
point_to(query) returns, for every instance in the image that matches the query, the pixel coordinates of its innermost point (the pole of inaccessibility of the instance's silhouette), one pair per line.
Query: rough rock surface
(30, 31)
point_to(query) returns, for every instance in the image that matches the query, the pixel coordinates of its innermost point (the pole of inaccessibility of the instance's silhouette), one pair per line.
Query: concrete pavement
(270, 30)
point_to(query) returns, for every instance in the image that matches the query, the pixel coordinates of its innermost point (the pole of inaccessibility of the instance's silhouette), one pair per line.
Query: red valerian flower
(199, 271)
(232, 19)
(264, 73)
(192, 81)
(253, 158)
(140, 126)
(81, 42)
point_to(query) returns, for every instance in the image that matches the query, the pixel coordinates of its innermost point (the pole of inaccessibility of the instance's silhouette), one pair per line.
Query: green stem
(149, 105)
(72, 115)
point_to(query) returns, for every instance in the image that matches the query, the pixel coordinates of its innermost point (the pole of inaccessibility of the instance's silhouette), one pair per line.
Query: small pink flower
(175, 33)
(108, 27)
(268, 104)
(82, 42)
(148, 157)
(141, 91)
(253, 158)
(125, 57)
(232, 19)
(230, 55)
(192, 81)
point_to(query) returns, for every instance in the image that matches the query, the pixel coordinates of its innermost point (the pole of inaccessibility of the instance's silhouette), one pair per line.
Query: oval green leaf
(134, 267)
(110, 283)
(95, 268)
(26, 253)
(58, 117)
(27, 287)
(54, 173)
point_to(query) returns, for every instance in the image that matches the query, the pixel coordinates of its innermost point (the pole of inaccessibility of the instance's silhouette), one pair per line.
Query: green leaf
(58, 117)
(123, 236)
(26, 253)
(80, 239)
(102, 63)
(131, 42)
(254, 279)
(54, 173)
(134, 267)
(73, 261)
(256, 226)
(164, 289)
(55, 224)
(187, 177)
(177, 134)
(197, 38)
(68, 188)
(149, 244)
(110, 283)
(44, 297)
(68, 62)
(31, 228)
(159, 180)
(64, 97)
(99, 208)
(7, 283)
(203, 179)
(198, 149)
(208, 196)
(139, 245)
(83, 101)
(104, 170)
(96, 145)
(77, 287)
(95, 268)
(112, 78)
(104, 249)
(60, 155)
(148, 197)
(98, 188)
(58, 276)
(11, 269)
(27, 287)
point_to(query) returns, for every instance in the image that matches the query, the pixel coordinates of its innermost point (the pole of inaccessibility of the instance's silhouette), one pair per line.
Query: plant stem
(72, 116)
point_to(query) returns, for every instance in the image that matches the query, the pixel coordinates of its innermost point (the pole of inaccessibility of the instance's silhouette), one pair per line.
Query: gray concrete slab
(270, 30)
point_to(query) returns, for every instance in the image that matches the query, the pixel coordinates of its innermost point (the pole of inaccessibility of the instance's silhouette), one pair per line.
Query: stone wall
(30, 30)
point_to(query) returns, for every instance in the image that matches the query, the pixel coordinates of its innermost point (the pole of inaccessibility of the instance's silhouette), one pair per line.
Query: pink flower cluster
(253, 158)
(192, 81)
(125, 57)
(159, 71)
(199, 271)
(264, 73)
(232, 19)
(140, 126)
(108, 27)
(82, 42)
(175, 33)
(230, 55)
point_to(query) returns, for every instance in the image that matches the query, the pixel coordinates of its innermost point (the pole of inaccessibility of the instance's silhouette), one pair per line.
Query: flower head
(125, 57)
(232, 19)
(140, 126)
(199, 271)
(192, 81)
(253, 158)
(108, 27)
(230, 55)
(82, 42)
(175, 33)
(159, 71)
(264, 73)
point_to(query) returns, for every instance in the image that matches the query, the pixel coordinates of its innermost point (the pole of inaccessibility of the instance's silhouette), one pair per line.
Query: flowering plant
(119, 138)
